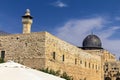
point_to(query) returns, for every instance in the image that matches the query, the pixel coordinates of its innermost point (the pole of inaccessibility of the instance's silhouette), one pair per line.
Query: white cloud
(117, 18)
(59, 4)
(74, 31)
(110, 44)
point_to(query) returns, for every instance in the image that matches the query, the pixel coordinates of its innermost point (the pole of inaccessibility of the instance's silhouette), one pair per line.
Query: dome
(92, 42)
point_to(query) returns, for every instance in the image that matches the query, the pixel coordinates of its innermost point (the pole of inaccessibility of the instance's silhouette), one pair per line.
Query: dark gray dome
(92, 42)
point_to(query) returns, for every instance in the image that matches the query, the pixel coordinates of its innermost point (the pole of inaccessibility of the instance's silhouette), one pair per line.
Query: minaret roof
(27, 14)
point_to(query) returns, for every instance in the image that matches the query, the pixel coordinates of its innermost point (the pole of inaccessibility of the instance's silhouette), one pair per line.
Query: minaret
(27, 21)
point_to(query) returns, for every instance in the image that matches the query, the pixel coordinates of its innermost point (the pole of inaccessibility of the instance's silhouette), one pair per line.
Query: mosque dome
(92, 42)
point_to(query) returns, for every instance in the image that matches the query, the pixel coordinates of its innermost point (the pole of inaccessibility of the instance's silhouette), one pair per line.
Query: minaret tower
(27, 21)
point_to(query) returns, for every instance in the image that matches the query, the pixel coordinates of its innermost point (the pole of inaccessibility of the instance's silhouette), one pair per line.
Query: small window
(107, 69)
(54, 55)
(2, 54)
(93, 66)
(26, 44)
(75, 61)
(89, 65)
(85, 64)
(80, 61)
(96, 66)
(17, 38)
(63, 57)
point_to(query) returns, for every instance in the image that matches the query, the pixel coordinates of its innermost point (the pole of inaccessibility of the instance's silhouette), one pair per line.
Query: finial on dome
(92, 33)
(27, 12)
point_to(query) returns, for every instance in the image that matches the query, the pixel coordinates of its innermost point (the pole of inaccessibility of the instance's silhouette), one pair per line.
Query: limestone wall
(77, 63)
(27, 49)
(108, 57)
(105, 55)
(112, 70)
(40, 50)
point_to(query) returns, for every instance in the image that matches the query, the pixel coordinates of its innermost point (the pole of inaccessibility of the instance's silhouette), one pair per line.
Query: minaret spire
(27, 13)
(27, 22)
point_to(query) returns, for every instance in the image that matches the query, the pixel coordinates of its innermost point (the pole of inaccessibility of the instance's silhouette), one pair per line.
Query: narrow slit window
(63, 58)
(96, 66)
(80, 61)
(54, 55)
(89, 65)
(93, 66)
(75, 61)
(85, 64)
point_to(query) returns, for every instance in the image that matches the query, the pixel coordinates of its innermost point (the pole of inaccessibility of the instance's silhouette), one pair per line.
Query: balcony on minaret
(27, 22)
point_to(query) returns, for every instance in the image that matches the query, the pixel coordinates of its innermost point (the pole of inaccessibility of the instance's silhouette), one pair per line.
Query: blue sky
(70, 20)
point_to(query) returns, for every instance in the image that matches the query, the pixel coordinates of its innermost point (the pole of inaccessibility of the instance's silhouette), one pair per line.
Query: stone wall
(27, 49)
(77, 63)
(43, 50)
(106, 56)
(112, 70)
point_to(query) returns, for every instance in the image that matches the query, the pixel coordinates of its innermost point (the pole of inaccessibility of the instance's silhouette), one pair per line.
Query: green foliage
(65, 76)
(57, 73)
(51, 71)
(45, 70)
(1, 60)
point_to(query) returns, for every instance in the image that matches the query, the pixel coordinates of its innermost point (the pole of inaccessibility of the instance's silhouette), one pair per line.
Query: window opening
(63, 58)
(54, 55)
(75, 61)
